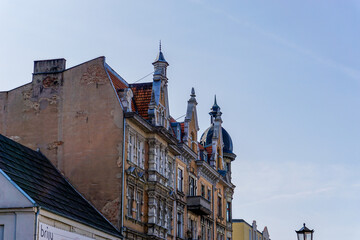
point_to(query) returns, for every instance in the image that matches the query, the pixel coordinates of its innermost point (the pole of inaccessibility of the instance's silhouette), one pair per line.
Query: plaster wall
(18, 224)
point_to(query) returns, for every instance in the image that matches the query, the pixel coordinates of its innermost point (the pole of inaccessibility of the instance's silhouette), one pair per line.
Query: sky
(286, 75)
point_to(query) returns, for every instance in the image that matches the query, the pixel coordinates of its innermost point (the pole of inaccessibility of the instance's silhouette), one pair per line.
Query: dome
(206, 139)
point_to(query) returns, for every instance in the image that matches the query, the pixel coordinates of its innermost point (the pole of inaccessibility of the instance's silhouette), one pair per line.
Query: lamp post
(304, 233)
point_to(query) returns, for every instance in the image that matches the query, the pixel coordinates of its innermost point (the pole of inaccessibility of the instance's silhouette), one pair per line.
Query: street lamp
(304, 233)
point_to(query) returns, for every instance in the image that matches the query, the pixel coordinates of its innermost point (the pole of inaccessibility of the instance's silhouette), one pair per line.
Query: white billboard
(47, 232)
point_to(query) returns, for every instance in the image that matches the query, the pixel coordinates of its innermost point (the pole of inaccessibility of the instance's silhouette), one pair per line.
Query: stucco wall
(18, 225)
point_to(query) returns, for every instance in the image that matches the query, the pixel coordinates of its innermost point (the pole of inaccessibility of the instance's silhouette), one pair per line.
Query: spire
(192, 92)
(160, 57)
(192, 96)
(215, 110)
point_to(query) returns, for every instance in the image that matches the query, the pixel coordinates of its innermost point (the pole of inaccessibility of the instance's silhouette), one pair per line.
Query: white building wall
(17, 225)
(11, 196)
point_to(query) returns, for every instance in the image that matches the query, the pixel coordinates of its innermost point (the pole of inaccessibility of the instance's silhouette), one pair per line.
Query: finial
(193, 92)
(160, 45)
(215, 100)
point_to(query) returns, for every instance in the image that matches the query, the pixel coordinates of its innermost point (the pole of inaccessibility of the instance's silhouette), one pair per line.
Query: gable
(11, 196)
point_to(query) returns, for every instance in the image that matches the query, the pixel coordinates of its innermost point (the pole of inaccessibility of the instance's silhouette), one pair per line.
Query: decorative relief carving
(94, 74)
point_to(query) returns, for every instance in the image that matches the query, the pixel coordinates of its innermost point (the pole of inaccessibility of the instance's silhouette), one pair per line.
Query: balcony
(198, 205)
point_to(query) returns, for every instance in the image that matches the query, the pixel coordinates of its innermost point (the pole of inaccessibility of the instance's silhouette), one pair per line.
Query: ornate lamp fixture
(304, 233)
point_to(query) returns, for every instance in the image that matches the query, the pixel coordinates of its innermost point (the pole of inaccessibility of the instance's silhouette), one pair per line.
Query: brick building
(119, 146)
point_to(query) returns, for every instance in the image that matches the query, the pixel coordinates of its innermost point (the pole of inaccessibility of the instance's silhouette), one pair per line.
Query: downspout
(36, 221)
(123, 179)
(213, 212)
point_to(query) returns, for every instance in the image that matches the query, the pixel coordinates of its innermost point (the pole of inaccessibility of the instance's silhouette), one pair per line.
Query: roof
(40, 180)
(117, 82)
(206, 139)
(142, 97)
(160, 57)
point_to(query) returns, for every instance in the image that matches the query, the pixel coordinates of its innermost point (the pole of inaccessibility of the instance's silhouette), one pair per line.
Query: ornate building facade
(151, 176)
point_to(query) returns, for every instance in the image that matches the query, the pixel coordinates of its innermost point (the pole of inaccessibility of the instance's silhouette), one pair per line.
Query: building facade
(244, 231)
(120, 147)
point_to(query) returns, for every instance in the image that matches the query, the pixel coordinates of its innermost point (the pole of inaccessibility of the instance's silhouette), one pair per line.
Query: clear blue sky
(286, 75)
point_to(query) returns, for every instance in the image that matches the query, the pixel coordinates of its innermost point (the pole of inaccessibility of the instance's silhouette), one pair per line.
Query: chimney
(49, 66)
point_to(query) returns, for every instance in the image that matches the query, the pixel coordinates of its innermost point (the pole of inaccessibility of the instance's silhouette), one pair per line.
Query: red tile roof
(142, 97)
(118, 83)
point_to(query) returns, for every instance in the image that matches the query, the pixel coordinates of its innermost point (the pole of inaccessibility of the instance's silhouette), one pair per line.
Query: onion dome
(206, 139)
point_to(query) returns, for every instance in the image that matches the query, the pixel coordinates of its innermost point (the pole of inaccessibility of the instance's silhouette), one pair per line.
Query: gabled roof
(44, 184)
(117, 80)
(142, 97)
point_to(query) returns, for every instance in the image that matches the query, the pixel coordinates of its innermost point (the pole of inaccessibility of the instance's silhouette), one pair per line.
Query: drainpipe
(36, 220)
(213, 212)
(123, 179)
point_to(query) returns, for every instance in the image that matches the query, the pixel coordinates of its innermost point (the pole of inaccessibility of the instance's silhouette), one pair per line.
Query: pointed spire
(160, 57)
(215, 110)
(192, 97)
(192, 92)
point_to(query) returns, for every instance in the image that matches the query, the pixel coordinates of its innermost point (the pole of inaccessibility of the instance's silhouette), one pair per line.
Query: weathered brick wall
(75, 119)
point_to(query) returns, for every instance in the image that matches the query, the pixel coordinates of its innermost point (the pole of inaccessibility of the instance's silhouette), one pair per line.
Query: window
(180, 180)
(157, 158)
(192, 187)
(130, 196)
(219, 206)
(203, 233)
(139, 199)
(170, 174)
(136, 149)
(179, 225)
(159, 212)
(140, 153)
(209, 195)
(209, 234)
(131, 148)
(202, 190)
(228, 211)
(169, 221)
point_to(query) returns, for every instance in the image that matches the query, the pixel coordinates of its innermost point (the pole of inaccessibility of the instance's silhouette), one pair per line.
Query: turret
(159, 105)
(160, 66)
